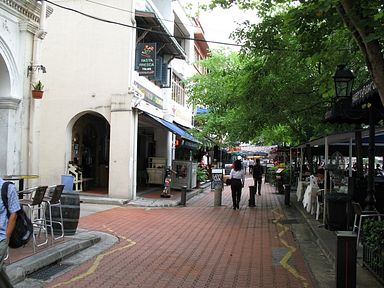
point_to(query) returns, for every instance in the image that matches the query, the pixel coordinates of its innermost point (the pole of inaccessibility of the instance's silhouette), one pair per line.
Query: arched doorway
(90, 151)
(9, 130)
(4, 127)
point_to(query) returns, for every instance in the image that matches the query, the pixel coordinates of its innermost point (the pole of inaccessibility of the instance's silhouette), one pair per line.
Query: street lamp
(343, 79)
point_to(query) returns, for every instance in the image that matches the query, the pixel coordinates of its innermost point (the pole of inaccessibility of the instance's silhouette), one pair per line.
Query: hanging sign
(147, 58)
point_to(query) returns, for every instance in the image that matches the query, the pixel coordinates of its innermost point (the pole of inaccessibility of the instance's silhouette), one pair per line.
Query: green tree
(363, 19)
(278, 89)
(258, 99)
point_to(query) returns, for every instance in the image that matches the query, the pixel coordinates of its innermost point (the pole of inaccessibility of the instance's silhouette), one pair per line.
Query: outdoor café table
(20, 178)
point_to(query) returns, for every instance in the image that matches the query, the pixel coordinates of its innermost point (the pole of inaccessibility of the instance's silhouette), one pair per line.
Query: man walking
(257, 174)
(7, 224)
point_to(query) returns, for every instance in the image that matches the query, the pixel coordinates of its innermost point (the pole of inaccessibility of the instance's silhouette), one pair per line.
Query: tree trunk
(371, 49)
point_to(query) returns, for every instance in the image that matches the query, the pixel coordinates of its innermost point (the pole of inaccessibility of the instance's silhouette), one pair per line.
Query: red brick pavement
(195, 246)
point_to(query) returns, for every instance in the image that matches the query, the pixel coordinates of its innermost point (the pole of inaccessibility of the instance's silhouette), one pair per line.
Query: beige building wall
(19, 23)
(89, 68)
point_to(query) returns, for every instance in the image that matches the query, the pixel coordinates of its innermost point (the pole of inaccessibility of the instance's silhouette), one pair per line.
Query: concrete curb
(18, 271)
(102, 200)
(325, 234)
(163, 202)
(142, 201)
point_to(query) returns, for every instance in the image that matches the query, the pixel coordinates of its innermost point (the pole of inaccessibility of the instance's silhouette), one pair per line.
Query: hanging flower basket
(37, 94)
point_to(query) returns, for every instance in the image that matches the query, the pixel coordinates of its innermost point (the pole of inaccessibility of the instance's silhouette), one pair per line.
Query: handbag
(228, 181)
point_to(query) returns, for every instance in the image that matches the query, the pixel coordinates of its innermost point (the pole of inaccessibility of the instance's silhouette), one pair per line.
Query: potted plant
(201, 175)
(37, 91)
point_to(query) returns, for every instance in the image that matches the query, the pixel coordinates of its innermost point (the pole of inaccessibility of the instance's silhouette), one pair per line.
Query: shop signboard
(149, 96)
(146, 53)
(189, 144)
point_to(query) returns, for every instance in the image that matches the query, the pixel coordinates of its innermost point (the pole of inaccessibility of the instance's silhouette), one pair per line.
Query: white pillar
(122, 161)
(124, 124)
(170, 148)
(34, 105)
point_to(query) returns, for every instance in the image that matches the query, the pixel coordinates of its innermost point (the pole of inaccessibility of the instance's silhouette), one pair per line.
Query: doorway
(90, 151)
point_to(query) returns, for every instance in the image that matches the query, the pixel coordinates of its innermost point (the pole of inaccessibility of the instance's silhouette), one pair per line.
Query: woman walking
(237, 183)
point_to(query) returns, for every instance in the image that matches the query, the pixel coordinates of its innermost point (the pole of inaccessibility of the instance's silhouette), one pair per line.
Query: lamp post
(343, 79)
(346, 241)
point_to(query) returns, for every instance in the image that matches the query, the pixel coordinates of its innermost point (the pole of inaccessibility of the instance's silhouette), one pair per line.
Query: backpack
(23, 230)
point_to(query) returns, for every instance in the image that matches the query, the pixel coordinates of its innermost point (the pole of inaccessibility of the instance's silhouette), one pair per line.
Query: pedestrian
(237, 176)
(251, 163)
(257, 174)
(7, 224)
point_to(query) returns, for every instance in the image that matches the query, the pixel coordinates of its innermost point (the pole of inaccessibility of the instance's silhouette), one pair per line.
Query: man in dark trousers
(257, 173)
(7, 224)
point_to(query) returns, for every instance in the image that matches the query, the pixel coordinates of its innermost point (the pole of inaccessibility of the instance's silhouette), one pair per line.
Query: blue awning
(173, 128)
(201, 110)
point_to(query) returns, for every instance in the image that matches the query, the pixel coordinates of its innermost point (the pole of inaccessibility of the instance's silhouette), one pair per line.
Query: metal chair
(53, 200)
(36, 213)
(360, 214)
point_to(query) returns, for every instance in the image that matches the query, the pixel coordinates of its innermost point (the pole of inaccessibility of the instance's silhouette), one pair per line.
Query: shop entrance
(90, 151)
(146, 147)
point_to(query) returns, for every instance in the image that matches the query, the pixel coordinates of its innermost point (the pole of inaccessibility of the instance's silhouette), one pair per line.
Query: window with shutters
(178, 90)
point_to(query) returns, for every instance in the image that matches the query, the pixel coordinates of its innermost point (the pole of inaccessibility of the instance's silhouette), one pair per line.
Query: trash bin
(67, 181)
(336, 217)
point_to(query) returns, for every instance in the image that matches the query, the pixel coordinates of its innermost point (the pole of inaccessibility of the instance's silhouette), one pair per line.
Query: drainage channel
(49, 271)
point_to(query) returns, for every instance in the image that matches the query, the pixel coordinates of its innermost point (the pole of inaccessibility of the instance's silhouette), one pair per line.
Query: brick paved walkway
(195, 246)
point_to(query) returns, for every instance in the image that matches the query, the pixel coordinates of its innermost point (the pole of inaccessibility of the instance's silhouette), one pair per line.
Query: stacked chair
(42, 201)
(36, 214)
(52, 200)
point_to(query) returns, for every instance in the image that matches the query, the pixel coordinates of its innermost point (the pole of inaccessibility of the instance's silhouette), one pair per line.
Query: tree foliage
(362, 19)
(279, 87)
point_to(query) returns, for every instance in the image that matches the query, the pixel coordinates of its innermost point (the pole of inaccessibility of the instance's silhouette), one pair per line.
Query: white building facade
(99, 111)
(21, 33)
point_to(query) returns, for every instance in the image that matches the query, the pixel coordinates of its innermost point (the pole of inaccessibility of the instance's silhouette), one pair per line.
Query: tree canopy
(363, 20)
(278, 88)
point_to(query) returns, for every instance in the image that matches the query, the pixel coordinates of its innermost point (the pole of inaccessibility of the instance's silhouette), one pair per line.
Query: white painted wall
(16, 38)
(87, 62)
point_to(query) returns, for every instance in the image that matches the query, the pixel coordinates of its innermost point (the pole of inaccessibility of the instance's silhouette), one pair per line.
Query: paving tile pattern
(195, 246)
